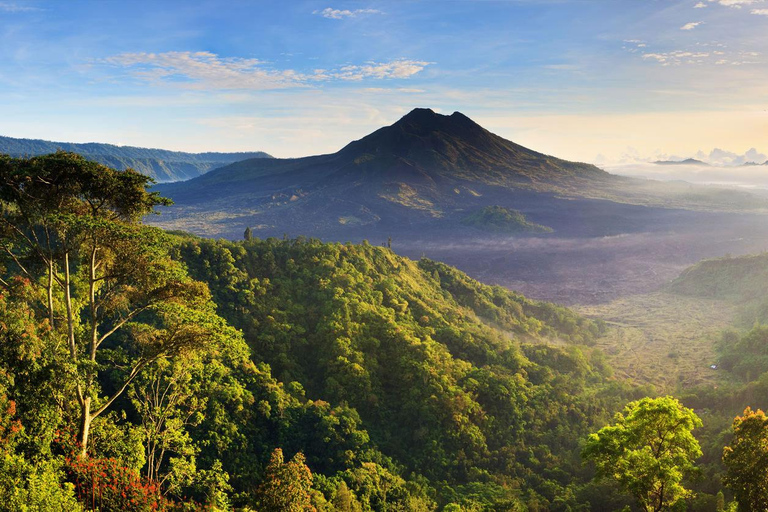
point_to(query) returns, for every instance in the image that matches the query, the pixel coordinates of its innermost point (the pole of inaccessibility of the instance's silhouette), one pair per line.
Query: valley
(663, 340)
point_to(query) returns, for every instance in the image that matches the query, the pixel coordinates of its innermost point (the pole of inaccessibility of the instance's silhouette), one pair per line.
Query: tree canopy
(746, 460)
(648, 450)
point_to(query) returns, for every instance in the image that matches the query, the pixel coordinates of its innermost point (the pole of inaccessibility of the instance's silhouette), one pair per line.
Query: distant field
(663, 339)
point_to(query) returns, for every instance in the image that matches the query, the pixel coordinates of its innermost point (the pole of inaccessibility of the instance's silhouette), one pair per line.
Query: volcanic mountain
(426, 171)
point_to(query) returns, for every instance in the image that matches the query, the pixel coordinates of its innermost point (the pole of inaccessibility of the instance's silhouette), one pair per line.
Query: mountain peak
(428, 118)
(424, 122)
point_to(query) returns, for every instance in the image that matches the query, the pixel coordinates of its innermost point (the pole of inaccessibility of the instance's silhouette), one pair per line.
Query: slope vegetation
(498, 219)
(478, 390)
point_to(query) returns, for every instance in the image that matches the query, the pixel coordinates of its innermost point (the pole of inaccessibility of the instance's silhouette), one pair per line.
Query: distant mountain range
(161, 164)
(693, 161)
(425, 172)
(687, 161)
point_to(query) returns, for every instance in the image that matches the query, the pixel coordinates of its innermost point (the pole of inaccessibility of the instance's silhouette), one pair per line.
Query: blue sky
(594, 80)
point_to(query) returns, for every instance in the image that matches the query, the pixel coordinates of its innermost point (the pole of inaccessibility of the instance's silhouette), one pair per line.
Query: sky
(602, 81)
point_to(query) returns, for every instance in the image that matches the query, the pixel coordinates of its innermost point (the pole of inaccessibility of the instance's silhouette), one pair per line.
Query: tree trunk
(70, 313)
(50, 294)
(85, 426)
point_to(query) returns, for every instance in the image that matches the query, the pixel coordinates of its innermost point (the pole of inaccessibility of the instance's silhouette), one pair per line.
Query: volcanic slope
(426, 171)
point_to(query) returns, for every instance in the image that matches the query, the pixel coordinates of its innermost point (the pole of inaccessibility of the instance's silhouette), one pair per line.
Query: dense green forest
(146, 370)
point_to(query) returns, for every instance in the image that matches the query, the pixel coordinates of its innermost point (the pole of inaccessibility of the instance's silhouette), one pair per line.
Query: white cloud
(684, 57)
(760, 12)
(736, 4)
(14, 7)
(691, 26)
(728, 158)
(207, 70)
(676, 58)
(700, 5)
(393, 69)
(338, 14)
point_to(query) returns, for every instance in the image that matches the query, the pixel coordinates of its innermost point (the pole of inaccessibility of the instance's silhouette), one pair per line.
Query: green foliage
(741, 280)
(34, 487)
(404, 385)
(75, 224)
(27, 485)
(286, 485)
(435, 367)
(746, 460)
(745, 356)
(648, 450)
(503, 220)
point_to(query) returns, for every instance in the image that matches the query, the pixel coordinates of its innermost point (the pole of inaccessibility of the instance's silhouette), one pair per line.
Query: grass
(663, 339)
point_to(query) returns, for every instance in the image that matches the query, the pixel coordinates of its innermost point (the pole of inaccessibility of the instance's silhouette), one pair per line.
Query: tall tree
(648, 450)
(286, 485)
(74, 226)
(746, 460)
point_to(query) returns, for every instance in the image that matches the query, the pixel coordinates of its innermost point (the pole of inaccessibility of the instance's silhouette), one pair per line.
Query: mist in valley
(752, 176)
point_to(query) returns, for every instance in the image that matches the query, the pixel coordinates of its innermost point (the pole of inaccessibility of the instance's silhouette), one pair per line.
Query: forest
(142, 369)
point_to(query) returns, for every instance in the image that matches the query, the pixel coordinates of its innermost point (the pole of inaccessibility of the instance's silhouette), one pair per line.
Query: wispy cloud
(716, 57)
(207, 70)
(382, 90)
(692, 25)
(675, 58)
(393, 69)
(700, 5)
(15, 7)
(736, 4)
(338, 14)
(760, 12)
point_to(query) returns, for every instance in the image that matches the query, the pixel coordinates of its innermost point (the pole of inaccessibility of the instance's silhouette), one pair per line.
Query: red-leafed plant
(105, 484)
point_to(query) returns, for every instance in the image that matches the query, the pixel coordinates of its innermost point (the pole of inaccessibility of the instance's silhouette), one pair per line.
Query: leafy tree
(287, 485)
(344, 500)
(166, 398)
(125, 302)
(746, 460)
(248, 234)
(648, 450)
(720, 501)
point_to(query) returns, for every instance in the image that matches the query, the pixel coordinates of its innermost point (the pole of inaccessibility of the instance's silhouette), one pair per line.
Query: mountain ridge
(161, 164)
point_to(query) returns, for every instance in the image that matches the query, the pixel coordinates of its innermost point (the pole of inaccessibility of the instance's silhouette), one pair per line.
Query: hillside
(497, 219)
(426, 172)
(163, 371)
(474, 388)
(160, 164)
(739, 279)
